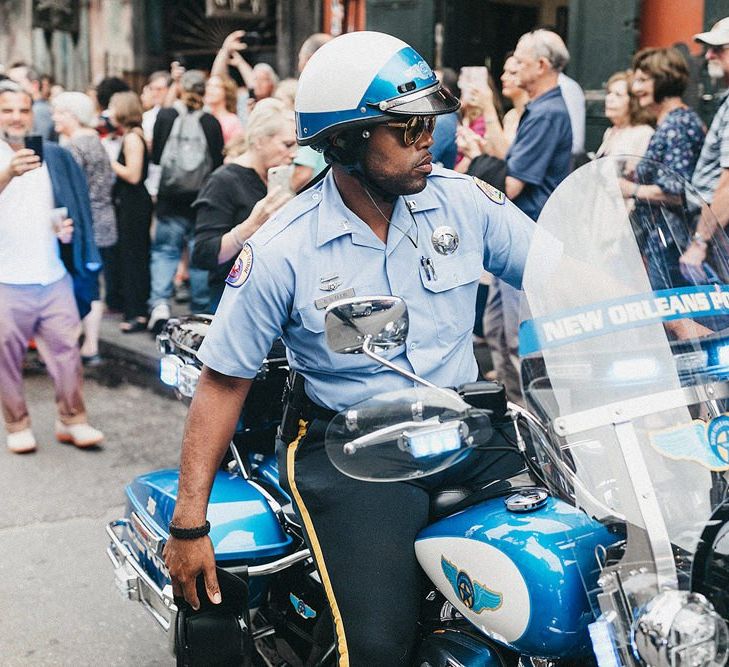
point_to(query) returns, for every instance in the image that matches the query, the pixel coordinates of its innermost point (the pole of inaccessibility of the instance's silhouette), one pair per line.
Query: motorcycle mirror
(381, 320)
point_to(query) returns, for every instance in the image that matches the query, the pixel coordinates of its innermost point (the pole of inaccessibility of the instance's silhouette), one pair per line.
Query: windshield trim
(638, 406)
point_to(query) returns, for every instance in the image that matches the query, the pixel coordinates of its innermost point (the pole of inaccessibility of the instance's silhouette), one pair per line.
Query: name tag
(324, 301)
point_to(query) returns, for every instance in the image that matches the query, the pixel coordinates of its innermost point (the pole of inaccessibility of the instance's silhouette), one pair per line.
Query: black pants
(112, 277)
(362, 537)
(134, 218)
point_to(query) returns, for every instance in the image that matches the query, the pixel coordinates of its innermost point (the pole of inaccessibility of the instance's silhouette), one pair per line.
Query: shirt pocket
(312, 318)
(451, 286)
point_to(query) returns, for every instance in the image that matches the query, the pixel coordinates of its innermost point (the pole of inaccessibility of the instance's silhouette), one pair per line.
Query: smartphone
(478, 77)
(35, 143)
(58, 215)
(281, 175)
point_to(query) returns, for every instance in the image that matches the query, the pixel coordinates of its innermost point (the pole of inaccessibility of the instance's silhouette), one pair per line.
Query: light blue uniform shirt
(315, 240)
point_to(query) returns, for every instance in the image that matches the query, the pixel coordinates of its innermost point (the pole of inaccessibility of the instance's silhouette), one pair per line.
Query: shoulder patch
(494, 194)
(242, 267)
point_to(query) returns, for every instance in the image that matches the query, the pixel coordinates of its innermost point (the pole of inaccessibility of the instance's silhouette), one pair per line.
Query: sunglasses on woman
(415, 127)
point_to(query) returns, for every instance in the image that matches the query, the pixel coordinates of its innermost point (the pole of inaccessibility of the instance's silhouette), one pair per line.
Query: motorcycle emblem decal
(151, 506)
(705, 444)
(490, 191)
(242, 267)
(302, 609)
(718, 435)
(445, 240)
(473, 594)
(420, 70)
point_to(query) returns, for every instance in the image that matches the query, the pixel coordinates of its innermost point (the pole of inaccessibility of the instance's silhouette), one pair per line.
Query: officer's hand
(185, 559)
(23, 161)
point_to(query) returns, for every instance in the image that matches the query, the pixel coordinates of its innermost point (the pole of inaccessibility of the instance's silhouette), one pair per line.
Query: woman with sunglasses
(383, 220)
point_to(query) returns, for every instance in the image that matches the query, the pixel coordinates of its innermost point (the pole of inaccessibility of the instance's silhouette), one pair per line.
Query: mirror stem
(367, 349)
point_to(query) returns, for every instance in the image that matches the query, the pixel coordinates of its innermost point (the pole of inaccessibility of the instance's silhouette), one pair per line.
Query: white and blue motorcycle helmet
(364, 78)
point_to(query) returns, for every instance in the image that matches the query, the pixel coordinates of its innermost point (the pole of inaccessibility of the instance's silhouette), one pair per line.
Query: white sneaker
(81, 435)
(22, 442)
(158, 318)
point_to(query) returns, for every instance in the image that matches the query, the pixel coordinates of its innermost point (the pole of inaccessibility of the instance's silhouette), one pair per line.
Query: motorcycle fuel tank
(518, 576)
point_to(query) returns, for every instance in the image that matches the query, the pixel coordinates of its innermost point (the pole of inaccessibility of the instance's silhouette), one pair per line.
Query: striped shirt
(714, 154)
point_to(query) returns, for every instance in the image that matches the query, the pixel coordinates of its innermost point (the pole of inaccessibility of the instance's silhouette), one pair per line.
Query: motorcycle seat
(444, 499)
(451, 499)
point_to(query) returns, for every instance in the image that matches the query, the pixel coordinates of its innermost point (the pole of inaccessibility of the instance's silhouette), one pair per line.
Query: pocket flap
(452, 271)
(312, 318)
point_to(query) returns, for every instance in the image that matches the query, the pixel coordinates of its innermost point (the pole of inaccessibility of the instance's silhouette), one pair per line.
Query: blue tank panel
(519, 577)
(242, 525)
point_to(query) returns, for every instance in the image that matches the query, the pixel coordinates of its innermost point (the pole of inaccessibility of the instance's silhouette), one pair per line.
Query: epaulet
(441, 172)
(494, 194)
(286, 216)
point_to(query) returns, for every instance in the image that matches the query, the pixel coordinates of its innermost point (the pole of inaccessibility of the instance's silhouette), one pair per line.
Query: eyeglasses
(415, 127)
(718, 50)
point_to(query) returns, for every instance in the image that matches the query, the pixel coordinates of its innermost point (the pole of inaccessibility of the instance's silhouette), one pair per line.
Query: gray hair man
(711, 176)
(537, 161)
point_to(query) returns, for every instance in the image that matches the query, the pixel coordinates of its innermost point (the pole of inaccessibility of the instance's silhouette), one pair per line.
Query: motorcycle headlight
(187, 380)
(681, 629)
(169, 369)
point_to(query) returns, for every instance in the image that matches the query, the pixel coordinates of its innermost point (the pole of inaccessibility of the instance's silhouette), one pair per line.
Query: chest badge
(329, 283)
(445, 240)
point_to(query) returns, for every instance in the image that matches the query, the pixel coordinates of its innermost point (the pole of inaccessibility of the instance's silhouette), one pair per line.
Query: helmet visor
(431, 101)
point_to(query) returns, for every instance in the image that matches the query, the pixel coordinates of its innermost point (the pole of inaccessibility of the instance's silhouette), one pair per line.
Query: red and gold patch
(242, 267)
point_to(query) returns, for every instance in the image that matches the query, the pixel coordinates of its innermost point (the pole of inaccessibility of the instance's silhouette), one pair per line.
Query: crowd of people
(529, 150)
(125, 182)
(167, 186)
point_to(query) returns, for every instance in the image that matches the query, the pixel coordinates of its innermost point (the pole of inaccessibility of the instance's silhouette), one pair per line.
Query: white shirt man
(36, 292)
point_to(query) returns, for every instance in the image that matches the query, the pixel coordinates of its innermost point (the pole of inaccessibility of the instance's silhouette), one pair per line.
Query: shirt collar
(336, 220)
(551, 93)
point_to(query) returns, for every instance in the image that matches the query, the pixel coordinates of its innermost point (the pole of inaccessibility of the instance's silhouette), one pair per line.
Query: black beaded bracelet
(189, 533)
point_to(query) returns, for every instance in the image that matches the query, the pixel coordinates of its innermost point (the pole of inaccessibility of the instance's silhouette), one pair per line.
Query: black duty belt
(314, 411)
(298, 406)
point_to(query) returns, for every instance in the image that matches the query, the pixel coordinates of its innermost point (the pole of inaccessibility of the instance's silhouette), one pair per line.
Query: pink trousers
(47, 313)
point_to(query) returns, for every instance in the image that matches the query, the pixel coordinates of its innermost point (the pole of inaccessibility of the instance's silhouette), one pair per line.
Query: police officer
(384, 220)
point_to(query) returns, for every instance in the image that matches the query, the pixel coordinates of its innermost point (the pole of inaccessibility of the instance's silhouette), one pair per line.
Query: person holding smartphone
(38, 297)
(236, 200)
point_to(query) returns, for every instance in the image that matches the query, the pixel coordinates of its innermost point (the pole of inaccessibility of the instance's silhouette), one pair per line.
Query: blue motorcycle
(609, 549)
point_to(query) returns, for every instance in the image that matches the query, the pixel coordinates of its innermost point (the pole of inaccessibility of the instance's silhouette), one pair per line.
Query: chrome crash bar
(135, 584)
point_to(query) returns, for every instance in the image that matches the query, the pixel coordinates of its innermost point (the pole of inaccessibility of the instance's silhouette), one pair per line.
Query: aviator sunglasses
(415, 126)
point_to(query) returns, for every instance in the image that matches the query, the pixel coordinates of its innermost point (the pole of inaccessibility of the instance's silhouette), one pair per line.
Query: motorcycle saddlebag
(215, 634)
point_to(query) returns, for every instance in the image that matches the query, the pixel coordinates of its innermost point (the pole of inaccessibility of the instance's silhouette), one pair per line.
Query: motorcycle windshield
(625, 356)
(405, 434)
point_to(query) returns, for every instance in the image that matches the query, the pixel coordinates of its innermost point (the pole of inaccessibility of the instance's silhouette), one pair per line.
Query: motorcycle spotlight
(681, 628)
